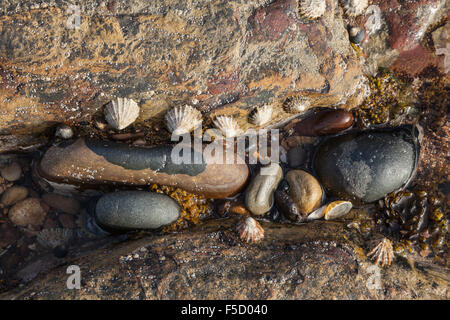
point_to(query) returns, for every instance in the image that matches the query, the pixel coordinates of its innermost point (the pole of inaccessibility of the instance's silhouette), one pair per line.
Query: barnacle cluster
(193, 207)
(416, 220)
(387, 100)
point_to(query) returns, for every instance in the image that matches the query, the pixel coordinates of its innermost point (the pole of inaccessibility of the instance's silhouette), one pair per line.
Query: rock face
(136, 210)
(366, 166)
(93, 162)
(63, 63)
(211, 262)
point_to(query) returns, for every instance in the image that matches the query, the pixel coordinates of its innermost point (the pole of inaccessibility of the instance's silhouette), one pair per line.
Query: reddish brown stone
(324, 122)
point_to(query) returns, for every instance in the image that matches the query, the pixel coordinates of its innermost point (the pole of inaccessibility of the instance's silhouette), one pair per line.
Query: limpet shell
(122, 112)
(261, 115)
(250, 230)
(228, 126)
(184, 119)
(311, 9)
(354, 7)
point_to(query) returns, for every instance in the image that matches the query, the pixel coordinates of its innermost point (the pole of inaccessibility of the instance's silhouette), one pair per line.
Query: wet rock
(130, 210)
(14, 195)
(365, 166)
(59, 202)
(28, 211)
(238, 72)
(259, 195)
(325, 122)
(305, 190)
(67, 221)
(94, 162)
(8, 235)
(11, 172)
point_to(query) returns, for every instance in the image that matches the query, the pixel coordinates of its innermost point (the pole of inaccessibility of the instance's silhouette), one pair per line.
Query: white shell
(228, 126)
(250, 230)
(382, 253)
(354, 7)
(52, 238)
(317, 214)
(183, 119)
(337, 209)
(261, 115)
(297, 104)
(64, 131)
(122, 112)
(311, 9)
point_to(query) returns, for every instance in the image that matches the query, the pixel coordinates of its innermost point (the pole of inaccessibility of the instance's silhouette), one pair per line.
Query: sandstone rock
(305, 190)
(127, 210)
(233, 54)
(259, 194)
(14, 195)
(28, 211)
(65, 204)
(93, 162)
(11, 172)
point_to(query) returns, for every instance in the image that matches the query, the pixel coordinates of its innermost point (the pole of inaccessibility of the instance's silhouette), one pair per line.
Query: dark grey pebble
(356, 35)
(366, 166)
(130, 210)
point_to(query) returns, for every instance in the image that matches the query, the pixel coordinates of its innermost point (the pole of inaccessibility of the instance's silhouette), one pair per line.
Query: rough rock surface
(237, 54)
(211, 263)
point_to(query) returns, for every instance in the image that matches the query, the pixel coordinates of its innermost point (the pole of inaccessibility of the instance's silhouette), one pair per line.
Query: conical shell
(122, 112)
(261, 115)
(354, 7)
(228, 126)
(297, 104)
(311, 9)
(250, 230)
(183, 119)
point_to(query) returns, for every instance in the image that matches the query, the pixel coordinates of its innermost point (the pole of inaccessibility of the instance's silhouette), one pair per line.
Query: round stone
(324, 122)
(14, 195)
(259, 196)
(28, 211)
(366, 166)
(62, 203)
(130, 210)
(11, 172)
(304, 190)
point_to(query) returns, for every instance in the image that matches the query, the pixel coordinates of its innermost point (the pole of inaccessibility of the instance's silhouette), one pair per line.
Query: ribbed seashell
(250, 230)
(183, 119)
(122, 112)
(382, 253)
(354, 7)
(228, 126)
(297, 104)
(261, 115)
(52, 238)
(311, 9)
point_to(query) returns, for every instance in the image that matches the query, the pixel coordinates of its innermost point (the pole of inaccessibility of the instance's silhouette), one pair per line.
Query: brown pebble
(11, 172)
(239, 209)
(67, 221)
(28, 211)
(50, 223)
(324, 122)
(127, 136)
(59, 202)
(14, 195)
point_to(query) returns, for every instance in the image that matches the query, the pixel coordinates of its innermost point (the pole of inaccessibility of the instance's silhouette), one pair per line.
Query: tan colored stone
(305, 190)
(28, 211)
(14, 195)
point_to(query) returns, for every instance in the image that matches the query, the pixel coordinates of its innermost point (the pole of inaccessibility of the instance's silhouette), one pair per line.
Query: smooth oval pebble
(130, 210)
(259, 194)
(94, 162)
(366, 166)
(305, 190)
(325, 122)
(65, 204)
(14, 195)
(28, 211)
(11, 172)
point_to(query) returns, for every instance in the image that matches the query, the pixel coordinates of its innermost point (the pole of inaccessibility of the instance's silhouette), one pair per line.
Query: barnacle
(57, 237)
(250, 230)
(184, 119)
(296, 104)
(228, 126)
(122, 112)
(382, 253)
(354, 7)
(311, 9)
(261, 115)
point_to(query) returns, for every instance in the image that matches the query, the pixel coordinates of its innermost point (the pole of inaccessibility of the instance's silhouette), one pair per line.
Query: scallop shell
(337, 209)
(297, 104)
(122, 112)
(354, 7)
(52, 238)
(311, 9)
(261, 115)
(228, 126)
(250, 230)
(181, 120)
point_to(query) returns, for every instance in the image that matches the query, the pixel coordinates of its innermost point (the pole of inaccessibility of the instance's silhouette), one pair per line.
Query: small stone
(28, 211)
(297, 156)
(62, 203)
(305, 190)
(67, 220)
(11, 172)
(325, 122)
(130, 210)
(259, 196)
(14, 195)
(8, 235)
(64, 131)
(356, 35)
